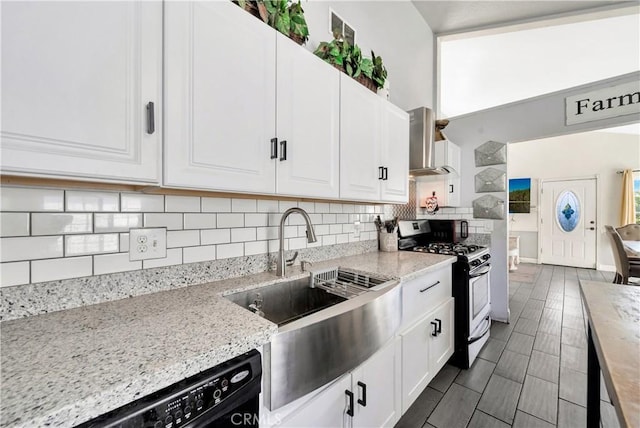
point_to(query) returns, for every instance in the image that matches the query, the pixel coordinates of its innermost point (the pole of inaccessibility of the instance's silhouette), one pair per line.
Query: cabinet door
(327, 409)
(416, 371)
(220, 98)
(395, 154)
(376, 380)
(360, 140)
(430, 185)
(308, 114)
(441, 346)
(76, 80)
(448, 153)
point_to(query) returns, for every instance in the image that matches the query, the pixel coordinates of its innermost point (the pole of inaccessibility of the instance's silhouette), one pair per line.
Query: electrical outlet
(356, 229)
(147, 243)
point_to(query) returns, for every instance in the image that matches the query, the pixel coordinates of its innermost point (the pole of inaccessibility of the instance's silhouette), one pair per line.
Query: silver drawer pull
(431, 286)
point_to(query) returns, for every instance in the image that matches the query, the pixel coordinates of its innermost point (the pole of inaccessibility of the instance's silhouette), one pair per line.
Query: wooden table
(613, 347)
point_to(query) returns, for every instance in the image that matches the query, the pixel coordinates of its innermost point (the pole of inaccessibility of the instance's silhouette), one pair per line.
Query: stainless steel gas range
(470, 275)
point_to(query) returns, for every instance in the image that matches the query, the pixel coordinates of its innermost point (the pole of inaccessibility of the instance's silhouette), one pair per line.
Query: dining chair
(629, 232)
(625, 267)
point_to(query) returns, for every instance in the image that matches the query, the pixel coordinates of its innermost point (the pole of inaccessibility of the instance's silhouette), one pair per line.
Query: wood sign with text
(605, 103)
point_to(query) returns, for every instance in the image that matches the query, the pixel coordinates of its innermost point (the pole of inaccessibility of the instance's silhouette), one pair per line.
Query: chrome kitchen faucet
(311, 236)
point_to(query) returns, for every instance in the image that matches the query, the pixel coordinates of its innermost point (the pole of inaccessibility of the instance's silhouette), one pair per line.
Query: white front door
(568, 223)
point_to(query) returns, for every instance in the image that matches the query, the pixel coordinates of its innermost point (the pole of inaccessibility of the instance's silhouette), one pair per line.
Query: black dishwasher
(226, 395)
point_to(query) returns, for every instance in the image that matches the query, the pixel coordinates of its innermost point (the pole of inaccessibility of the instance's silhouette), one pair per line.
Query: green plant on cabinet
(285, 16)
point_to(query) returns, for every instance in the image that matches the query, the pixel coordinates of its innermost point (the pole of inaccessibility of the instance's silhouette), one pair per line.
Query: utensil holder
(388, 241)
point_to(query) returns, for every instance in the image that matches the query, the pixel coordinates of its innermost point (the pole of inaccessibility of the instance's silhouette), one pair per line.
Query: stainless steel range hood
(422, 144)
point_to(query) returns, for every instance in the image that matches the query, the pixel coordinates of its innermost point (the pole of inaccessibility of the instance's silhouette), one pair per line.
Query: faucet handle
(304, 264)
(292, 259)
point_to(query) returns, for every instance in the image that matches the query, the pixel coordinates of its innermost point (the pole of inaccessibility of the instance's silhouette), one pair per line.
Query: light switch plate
(147, 243)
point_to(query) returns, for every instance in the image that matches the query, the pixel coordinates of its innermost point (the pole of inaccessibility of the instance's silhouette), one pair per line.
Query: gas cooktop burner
(448, 249)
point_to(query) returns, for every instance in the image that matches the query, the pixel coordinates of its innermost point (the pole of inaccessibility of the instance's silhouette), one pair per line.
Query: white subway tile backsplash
(181, 204)
(199, 221)
(30, 248)
(348, 208)
(14, 224)
(76, 200)
(285, 205)
(172, 221)
(231, 220)
(183, 238)
(315, 219)
(26, 199)
(202, 253)
(216, 205)
(116, 222)
(296, 219)
(328, 218)
(318, 243)
(14, 274)
(274, 245)
(335, 229)
(124, 242)
(266, 233)
(243, 235)
(370, 209)
(137, 202)
(353, 238)
(322, 207)
(257, 219)
(329, 240)
(243, 205)
(342, 218)
(112, 263)
(61, 223)
(267, 206)
(174, 257)
(79, 245)
(256, 247)
(274, 219)
(321, 229)
(291, 231)
(342, 239)
(297, 243)
(309, 207)
(226, 251)
(347, 228)
(56, 269)
(215, 236)
(335, 208)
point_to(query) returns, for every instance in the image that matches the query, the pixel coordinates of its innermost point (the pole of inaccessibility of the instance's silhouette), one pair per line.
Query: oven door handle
(484, 332)
(481, 271)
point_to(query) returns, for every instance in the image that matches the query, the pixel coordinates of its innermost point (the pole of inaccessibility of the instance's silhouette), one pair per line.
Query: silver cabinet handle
(431, 286)
(151, 120)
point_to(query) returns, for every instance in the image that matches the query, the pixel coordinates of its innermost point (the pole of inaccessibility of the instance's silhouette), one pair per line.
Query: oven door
(479, 298)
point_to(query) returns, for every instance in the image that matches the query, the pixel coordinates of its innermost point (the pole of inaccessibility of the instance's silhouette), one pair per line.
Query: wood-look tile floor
(532, 372)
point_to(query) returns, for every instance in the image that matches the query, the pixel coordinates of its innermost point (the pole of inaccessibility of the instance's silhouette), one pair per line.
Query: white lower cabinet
(375, 404)
(426, 347)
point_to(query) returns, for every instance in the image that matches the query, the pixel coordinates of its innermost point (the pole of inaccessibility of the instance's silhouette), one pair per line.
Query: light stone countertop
(614, 318)
(66, 367)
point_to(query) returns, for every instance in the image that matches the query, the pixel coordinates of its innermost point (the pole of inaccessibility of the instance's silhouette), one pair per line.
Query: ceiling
(455, 16)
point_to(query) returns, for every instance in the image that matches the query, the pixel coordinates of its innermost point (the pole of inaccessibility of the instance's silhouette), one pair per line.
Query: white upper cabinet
(219, 98)
(374, 146)
(77, 80)
(395, 154)
(308, 117)
(446, 187)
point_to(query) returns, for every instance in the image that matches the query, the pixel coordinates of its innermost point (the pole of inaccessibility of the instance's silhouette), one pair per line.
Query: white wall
(578, 155)
(396, 31)
(526, 120)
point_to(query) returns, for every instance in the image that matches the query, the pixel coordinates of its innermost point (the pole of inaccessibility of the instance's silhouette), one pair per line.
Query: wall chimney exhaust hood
(422, 144)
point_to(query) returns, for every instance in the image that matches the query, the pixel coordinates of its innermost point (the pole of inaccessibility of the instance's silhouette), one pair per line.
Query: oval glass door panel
(568, 211)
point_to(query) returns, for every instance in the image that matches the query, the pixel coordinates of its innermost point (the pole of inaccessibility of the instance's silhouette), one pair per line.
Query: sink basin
(288, 301)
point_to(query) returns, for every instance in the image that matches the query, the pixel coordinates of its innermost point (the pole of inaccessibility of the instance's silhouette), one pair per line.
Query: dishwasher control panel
(213, 391)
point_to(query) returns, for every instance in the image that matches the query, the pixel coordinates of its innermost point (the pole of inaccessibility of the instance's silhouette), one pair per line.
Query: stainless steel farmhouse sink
(328, 323)
(287, 301)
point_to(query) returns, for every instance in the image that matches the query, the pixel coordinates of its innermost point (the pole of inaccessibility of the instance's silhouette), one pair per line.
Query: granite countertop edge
(399, 265)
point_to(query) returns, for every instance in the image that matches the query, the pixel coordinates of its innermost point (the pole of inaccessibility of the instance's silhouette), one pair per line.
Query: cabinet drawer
(422, 294)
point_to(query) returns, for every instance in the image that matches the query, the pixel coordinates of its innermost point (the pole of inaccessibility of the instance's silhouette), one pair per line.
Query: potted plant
(349, 60)
(332, 52)
(299, 31)
(379, 73)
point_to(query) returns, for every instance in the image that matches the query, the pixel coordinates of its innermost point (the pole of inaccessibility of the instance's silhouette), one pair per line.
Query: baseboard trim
(528, 260)
(606, 268)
